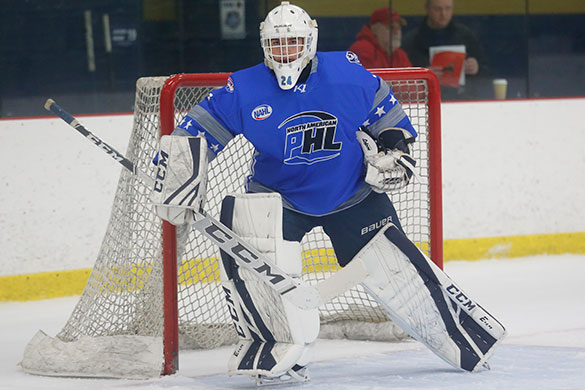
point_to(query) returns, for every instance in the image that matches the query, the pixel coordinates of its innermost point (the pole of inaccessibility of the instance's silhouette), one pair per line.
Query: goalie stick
(468, 334)
(299, 293)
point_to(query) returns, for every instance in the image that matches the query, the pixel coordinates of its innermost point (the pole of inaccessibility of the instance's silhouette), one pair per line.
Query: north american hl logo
(310, 142)
(261, 112)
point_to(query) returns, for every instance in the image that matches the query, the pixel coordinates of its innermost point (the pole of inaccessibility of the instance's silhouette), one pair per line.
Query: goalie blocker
(181, 178)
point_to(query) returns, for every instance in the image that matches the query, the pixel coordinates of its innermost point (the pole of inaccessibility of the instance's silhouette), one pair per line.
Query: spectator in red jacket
(377, 45)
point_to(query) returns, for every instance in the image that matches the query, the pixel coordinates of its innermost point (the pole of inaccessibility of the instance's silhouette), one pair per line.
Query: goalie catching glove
(181, 178)
(392, 168)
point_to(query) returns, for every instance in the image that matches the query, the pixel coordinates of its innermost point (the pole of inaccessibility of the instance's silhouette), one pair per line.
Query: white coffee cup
(500, 86)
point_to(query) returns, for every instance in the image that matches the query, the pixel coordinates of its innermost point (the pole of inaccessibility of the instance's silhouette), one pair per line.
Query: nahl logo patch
(261, 112)
(352, 57)
(229, 85)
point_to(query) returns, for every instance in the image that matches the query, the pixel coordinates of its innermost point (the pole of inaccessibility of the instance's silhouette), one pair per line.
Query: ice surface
(541, 301)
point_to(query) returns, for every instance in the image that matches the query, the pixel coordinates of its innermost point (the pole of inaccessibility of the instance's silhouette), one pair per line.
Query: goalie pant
(420, 298)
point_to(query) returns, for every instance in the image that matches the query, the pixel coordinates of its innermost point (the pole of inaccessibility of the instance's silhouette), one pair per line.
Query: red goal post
(412, 86)
(154, 286)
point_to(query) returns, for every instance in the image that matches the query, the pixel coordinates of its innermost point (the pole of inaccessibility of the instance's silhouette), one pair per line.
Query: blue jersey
(304, 138)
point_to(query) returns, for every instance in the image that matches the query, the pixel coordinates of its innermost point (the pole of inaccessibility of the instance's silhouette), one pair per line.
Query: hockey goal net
(147, 299)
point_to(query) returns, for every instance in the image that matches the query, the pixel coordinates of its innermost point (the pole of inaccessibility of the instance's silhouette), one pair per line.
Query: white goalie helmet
(288, 37)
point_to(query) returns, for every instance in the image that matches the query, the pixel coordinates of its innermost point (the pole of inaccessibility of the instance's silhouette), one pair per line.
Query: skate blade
(290, 377)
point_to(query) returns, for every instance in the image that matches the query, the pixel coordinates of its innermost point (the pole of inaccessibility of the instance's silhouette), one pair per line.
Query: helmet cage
(288, 38)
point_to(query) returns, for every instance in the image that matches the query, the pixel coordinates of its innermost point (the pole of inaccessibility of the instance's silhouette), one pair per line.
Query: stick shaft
(56, 109)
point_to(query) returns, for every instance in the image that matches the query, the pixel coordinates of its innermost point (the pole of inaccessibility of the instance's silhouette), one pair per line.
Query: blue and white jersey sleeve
(387, 112)
(216, 118)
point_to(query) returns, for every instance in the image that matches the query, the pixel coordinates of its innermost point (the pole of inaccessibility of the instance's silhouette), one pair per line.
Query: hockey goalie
(301, 110)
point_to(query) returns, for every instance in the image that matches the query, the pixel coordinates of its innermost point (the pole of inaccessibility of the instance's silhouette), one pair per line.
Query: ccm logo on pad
(261, 112)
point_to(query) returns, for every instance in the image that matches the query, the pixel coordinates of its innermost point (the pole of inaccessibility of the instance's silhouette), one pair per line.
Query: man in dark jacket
(439, 29)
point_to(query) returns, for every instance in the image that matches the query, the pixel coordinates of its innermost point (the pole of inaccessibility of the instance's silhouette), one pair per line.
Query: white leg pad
(279, 334)
(421, 299)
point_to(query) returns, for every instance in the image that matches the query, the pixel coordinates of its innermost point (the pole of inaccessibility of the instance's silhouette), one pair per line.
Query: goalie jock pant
(349, 230)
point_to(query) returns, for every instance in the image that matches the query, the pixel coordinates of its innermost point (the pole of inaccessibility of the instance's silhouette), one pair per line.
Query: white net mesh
(124, 293)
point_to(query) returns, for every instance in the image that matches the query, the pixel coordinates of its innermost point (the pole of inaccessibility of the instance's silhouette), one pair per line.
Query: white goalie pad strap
(421, 299)
(181, 178)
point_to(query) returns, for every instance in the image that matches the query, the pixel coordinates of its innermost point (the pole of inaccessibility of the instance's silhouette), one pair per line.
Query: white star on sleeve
(189, 124)
(210, 95)
(380, 111)
(366, 123)
(393, 100)
(215, 147)
(200, 133)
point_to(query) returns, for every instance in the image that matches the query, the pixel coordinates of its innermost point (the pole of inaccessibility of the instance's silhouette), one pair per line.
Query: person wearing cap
(378, 43)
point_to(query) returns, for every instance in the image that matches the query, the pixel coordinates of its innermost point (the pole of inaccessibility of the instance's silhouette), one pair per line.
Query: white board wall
(509, 168)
